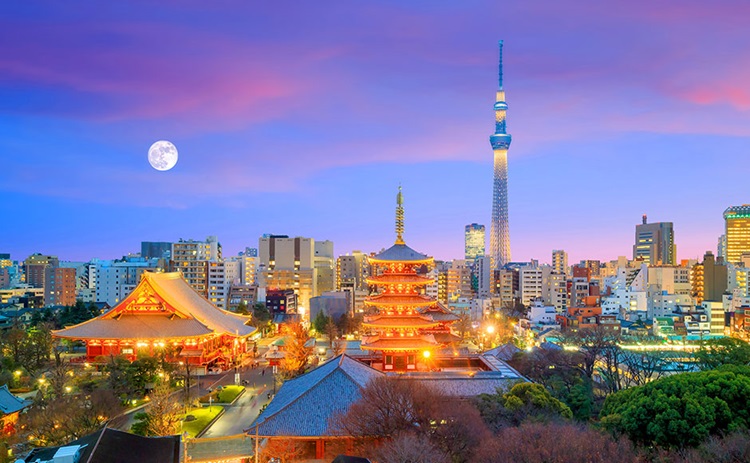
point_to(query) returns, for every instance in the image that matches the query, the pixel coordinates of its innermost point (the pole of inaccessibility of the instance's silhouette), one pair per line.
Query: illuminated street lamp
(490, 329)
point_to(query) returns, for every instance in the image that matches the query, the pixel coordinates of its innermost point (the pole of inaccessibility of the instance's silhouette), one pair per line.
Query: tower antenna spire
(500, 68)
(399, 217)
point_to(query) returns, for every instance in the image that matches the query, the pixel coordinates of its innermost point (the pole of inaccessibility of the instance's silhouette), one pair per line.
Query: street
(237, 417)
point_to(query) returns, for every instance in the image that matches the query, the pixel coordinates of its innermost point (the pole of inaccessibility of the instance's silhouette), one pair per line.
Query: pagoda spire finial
(500, 68)
(399, 217)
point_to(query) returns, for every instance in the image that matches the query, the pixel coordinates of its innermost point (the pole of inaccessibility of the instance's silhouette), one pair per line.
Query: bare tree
(555, 443)
(163, 416)
(410, 447)
(387, 407)
(642, 367)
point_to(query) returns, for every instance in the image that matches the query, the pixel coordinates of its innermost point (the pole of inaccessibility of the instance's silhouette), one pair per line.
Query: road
(237, 417)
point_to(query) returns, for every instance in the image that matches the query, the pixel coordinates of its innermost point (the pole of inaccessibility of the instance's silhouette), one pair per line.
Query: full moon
(162, 155)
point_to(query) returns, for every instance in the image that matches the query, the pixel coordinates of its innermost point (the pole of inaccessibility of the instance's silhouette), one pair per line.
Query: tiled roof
(402, 321)
(504, 352)
(465, 387)
(184, 313)
(305, 406)
(10, 403)
(219, 448)
(397, 278)
(136, 327)
(399, 343)
(400, 253)
(392, 300)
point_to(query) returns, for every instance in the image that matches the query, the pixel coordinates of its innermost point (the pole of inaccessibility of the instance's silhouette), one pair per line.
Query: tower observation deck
(500, 141)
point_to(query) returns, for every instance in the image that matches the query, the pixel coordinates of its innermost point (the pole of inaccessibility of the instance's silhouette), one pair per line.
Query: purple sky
(301, 119)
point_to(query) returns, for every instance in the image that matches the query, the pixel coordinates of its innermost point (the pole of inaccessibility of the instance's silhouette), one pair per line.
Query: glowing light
(490, 329)
(17, 372)
(426, 354)
(68, 389)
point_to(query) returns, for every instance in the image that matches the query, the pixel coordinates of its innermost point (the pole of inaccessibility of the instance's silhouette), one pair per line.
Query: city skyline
(311, 135)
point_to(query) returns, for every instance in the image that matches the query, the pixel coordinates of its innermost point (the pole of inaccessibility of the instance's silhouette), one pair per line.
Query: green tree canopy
(320, 321)
(681, 410)
(525, 401)
(723, 351)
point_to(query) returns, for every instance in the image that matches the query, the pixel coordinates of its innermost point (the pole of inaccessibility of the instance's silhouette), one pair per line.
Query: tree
(642, 367)
(555, 443)
(36, 348)
(681, 410)
(58, 375)
(722, 351)
(331, 332)
(163, 416)
(320, 321)
(297, 351)
(410, 447)
(394, 414)
(13, 342)
(283, 450)
(57, 421)
(524, 401)
(561, 372)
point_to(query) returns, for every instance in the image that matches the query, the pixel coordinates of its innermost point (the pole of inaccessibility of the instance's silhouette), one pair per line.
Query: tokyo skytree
(500, 141)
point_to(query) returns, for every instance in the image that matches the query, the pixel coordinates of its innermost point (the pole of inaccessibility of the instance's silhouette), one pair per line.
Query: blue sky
(302, 119)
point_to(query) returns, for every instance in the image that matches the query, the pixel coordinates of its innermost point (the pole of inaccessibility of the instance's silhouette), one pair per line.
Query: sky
(302, 118)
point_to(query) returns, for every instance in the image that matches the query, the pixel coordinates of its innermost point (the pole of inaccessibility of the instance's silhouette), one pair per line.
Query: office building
(654, 243)
(737, 232)
(474, 240)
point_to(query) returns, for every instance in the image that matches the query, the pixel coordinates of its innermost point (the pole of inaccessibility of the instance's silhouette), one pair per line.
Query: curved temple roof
(162, 306)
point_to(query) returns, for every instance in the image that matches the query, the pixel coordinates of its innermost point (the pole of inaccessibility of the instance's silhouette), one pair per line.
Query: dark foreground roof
(348, 459)
(112, 446)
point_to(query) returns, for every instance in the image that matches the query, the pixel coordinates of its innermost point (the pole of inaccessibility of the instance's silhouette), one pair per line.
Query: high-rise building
(191, 258)
(654, 243)
(474, 241)
(709, 279)
(560, 262)
(737, 231)
(500, 141)
(35, 266)
(156, 250)
(291, 263)
(721, 247)
(352, 271)
(59, 286)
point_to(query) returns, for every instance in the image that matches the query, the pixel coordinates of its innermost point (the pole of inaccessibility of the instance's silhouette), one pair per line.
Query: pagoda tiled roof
(447, 338)
(388, 300)
(399, 343)
(400, 253)
(399, 278)
(175, 310)
(303, 406)
(386, 321)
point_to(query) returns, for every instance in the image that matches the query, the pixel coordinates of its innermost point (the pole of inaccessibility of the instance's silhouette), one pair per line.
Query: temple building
(164, 314)
(403, 325)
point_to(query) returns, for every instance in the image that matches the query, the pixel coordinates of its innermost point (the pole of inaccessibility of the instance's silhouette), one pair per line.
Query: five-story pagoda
(395, 324)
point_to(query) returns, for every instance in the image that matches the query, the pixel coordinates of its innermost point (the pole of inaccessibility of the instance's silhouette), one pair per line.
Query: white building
(116, 279)
(534, 282)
